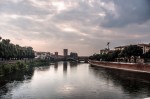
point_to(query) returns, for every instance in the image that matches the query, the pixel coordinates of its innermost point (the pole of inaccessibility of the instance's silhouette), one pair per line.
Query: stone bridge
(79, 59)
(83, 59)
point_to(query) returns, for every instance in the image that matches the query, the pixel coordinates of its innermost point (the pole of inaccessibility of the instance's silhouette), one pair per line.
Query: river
(70, 80)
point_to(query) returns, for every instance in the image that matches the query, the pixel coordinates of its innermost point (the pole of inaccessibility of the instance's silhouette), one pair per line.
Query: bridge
(79, 59)
(71, 59)
(83, 59)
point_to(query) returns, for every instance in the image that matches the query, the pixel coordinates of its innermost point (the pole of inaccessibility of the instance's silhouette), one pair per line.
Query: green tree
(95, 57)
(0, 50)
(132, 50)
(113, 55)
(147, 55)
(10, 51)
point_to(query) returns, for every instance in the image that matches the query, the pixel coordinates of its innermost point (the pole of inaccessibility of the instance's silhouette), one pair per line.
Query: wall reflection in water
(130, 82)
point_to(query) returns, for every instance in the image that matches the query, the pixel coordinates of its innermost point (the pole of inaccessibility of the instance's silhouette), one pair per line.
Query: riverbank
(141, 68)
(9, 67)
(6, 69)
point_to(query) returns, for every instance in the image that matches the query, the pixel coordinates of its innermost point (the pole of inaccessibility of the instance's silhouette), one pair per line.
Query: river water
(70, 80)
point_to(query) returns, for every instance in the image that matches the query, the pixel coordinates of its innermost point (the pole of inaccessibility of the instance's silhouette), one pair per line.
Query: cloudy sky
(83, 26)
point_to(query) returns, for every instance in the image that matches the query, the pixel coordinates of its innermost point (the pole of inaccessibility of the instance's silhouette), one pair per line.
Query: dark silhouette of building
(56, 55)
(74, 56)
(65, 54)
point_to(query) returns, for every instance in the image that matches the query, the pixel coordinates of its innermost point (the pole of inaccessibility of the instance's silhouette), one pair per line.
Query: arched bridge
(83, 59)
(79, 59)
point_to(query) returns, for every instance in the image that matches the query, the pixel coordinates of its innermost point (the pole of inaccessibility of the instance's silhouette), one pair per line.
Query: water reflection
(56, 66)
(130, 82)
(73, 64)
(70, 80)
(18, 76)
(10, 81)
(65, 66)
(43, 68)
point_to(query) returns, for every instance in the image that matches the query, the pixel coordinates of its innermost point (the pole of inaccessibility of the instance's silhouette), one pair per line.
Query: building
(120, 48)
(137, 59)
(74, 56)
(145, 47)
(56, 55)
(106, 51)
(42, 55)
(65, 53)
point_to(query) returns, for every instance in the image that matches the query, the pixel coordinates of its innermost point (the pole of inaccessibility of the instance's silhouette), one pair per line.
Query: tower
(56, 55)
(65, 53)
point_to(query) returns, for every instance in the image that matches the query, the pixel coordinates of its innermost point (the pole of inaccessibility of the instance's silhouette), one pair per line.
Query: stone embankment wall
(123, 66)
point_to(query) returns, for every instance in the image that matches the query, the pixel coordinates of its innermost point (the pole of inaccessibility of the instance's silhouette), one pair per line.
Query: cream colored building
(104, 51)
(145, 47)
(42, 55)
(120, 48)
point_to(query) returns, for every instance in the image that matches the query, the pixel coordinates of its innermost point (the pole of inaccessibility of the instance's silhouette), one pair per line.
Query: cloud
(83, 26)
(127, 12)
(21, 7)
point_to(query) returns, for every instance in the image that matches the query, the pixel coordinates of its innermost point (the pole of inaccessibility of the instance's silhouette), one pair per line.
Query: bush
(11, 68)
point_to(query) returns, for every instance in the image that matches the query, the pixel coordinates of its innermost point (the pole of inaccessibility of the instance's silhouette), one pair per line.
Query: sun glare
(59, 5)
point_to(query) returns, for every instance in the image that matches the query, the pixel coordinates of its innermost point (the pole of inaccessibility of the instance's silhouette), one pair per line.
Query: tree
(112, 56)
(0, 50)
(95, 57)
(147, 55)
(132, 50)
(10, 51)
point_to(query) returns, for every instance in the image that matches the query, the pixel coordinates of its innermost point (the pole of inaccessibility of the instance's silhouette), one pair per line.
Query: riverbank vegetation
(17, 59)
(6, 69)
(21, 66)
(37, 63)
(126, 54)
(14, 58)
(105, 57)
(10, 51)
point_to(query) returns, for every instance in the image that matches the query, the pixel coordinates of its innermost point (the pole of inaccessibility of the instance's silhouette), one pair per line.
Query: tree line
(127, 52)
(10, 51)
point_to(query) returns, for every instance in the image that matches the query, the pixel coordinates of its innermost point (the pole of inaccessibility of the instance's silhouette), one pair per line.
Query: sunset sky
(83, 26)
